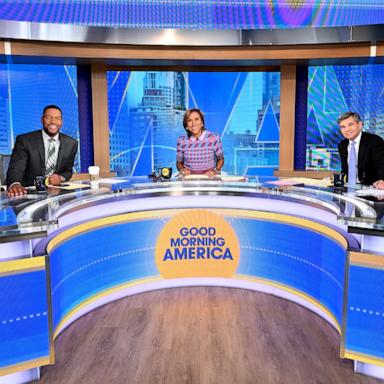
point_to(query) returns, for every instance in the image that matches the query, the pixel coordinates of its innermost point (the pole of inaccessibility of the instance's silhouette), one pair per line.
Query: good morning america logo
(197, 243)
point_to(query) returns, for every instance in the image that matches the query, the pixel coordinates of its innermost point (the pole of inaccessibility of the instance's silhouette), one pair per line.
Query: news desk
(65, 253)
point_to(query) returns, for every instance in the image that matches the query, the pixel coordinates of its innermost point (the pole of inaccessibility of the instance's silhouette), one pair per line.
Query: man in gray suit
(45, 152)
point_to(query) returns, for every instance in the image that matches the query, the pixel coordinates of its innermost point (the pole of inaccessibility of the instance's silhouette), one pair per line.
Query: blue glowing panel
(24, 332)
(207, 14)
(90, 263)
(95, 261)
(268, 252)
(217, 95)
(146, 112)
(333, 90)
(365, 315)
(7, 216)
(25, 90)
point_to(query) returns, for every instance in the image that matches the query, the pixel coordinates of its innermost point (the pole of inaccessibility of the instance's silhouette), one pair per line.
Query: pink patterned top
(199, 154)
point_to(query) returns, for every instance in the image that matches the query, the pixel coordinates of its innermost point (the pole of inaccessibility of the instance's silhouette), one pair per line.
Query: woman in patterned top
(200, 151)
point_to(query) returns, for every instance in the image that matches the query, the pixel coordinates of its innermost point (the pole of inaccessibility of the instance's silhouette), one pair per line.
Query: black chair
(4, 163)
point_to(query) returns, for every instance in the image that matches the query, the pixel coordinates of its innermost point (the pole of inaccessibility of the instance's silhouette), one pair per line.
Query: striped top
(199, 154)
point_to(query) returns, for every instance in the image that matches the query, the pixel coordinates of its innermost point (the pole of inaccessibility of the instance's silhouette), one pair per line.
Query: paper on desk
(232, 178)
(112, 181)
(195, 177)
(69, 186)
(285, 182)
(326, 182)
(226, 178)
(370, 192)
(302, 180)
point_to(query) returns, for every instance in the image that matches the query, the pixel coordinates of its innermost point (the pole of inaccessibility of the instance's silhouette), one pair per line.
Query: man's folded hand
(379, 184)
(16, 189)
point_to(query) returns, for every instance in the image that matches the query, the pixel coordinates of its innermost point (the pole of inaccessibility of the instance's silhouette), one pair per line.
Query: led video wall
(25, 90)
(333, 90)
(197, 14)
(146, 111)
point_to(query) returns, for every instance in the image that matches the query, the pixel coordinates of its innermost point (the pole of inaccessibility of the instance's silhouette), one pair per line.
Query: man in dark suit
(45, 152)
(369, 150)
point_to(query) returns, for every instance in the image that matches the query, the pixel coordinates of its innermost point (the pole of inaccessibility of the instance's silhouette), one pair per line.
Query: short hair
(188, 113)
(52, 106)
(347, 115)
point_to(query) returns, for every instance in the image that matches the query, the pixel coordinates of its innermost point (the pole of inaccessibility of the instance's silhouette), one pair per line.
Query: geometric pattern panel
(333, 90)
(25, 89)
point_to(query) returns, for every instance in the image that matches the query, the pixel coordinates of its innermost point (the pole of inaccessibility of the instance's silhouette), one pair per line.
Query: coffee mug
(94, 172)
(339, 179)
(39, 182)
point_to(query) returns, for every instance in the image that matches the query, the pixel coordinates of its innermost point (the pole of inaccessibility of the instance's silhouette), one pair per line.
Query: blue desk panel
(92, 258)
(364, 338)
(24, 315)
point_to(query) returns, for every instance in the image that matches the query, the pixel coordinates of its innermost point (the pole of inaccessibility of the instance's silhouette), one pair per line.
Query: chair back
(4, 164)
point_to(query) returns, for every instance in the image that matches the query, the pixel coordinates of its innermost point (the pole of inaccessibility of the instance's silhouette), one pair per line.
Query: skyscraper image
(153, 124)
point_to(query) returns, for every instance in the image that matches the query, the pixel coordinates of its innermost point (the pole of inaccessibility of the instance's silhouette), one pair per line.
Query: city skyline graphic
(146, 111)
(242, 107)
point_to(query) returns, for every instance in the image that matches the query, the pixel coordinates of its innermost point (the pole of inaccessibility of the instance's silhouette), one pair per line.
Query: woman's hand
(185, 172)
(212, 173)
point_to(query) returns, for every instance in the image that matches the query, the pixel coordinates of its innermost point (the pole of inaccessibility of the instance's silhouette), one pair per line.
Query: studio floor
(200, 335)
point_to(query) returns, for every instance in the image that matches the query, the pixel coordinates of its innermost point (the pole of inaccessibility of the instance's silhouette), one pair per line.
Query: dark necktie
(352, 164)
(50, 164)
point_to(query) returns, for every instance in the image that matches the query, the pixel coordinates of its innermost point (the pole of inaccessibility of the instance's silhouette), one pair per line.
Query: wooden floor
(200, 335)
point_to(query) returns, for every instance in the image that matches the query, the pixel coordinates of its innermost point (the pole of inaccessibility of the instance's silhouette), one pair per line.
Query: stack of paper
(370, 192)
(302, 180)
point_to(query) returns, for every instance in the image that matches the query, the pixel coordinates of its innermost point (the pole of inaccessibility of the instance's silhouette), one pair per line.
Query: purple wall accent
(85, 116)
(301, 117)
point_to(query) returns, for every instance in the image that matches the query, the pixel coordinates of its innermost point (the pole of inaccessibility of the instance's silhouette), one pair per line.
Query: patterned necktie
(50, 164)
(352, 164)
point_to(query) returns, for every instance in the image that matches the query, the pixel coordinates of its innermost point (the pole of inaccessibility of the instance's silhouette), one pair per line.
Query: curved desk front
(150, 236)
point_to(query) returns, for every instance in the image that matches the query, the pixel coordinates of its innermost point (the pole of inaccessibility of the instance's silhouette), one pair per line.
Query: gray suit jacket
(28, 158)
